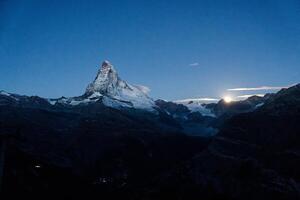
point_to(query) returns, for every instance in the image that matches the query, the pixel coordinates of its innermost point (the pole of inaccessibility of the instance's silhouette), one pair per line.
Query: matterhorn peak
(106, 78)
(106, 62)
(107, 65)
(105, 69)
(108, 84)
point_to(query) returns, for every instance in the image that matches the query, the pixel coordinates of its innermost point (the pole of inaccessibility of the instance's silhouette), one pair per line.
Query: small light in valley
(37, 166)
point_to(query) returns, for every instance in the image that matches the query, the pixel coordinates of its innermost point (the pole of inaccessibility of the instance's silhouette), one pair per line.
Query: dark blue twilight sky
(180, 49)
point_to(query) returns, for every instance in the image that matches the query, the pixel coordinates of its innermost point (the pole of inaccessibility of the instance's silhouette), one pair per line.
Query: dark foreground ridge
(94, 151)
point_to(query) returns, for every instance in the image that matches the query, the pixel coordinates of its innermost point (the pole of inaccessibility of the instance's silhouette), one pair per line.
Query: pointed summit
(108, 83)
(106, 65)
(106, 62)
(106, 78)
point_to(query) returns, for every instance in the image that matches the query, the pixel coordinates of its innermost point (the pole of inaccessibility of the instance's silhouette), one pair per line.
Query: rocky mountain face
(173, 109)
(109, 84)
(193, 122)
(195, 105)
(108, 88)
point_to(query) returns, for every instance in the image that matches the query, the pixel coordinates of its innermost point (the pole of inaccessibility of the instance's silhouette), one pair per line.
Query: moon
(228, 99)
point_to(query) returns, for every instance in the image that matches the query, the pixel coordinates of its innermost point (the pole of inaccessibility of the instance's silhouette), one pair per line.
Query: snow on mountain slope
(112, 91)
(196, 105)
(116, 92)
(4, 93)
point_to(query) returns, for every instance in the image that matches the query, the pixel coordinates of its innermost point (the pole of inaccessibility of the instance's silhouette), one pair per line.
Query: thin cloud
(258, 88)
(197, 100)
(143, 88)
(194, 64)
(249, 95)
(208, 99)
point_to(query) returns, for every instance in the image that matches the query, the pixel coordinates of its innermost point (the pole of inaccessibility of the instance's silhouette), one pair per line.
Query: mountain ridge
(109, 89)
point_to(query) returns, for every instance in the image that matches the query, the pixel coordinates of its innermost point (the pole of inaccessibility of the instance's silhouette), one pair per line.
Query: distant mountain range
(109, 90)
(115, 141)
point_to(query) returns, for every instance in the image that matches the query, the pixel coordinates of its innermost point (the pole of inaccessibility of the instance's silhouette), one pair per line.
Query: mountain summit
(106, 80)
(108, 84)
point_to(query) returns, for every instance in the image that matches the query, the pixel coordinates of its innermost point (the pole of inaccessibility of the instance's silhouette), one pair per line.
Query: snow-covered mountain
(216, 108)
(197, 105)
(112, 91)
